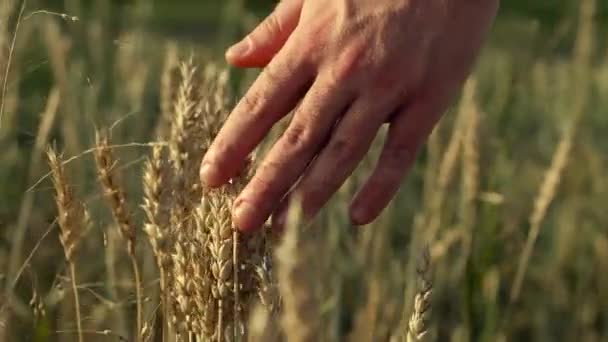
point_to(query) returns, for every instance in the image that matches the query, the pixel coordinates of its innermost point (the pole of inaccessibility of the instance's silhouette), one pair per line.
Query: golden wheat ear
(116, 198)
(418, 323)
(73, 222)
(73, 216)
(113, 190)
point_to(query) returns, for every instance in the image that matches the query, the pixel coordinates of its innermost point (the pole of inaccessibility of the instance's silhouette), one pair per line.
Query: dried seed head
(417, 327)
(212, 277)
(73, 217)
(113, 190)
(156, 207)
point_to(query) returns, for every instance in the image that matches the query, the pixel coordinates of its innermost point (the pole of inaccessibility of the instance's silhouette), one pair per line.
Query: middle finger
(291, 154)
(348, 145)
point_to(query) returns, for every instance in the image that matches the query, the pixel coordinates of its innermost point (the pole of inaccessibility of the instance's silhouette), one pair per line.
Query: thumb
(265, 41)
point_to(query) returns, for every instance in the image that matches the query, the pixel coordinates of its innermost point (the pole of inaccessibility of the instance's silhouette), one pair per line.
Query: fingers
(290, 156)
(265, 41)
(349, 143)
(274, 94)
(405, 137)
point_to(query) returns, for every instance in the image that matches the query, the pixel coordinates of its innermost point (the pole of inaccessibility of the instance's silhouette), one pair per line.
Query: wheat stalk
(545, 196)
(11, 52)
(156, 187)
(445, 174)
(116, 198)
(553, 175)
(73, 222)
(300, 321)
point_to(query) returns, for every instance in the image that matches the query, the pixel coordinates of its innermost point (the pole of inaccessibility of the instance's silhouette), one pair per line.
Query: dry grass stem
(470, 167)
(546, 194)
(9, 60)
(168, 88)
(445, 174)
(553, 176)
(300, 316)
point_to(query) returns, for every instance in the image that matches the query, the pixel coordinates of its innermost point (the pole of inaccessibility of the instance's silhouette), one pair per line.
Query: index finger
(274, 94)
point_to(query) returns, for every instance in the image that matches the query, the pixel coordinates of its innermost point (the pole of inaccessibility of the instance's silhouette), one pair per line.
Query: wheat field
(500, 232)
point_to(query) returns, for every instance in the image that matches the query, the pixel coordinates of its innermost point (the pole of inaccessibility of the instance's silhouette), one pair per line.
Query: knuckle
(395, 159)
(262, 184)
(310, 47)
(272, 24)
(253, 103)
(297, 137)
(343, 148)
(386, 81)
(277, 70)
(351, 62)
(283, 67)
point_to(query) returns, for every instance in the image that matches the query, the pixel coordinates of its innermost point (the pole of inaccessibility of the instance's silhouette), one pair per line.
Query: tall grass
(498, 234)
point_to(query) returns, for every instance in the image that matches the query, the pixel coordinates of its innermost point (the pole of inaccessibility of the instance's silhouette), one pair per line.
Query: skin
(346, 67)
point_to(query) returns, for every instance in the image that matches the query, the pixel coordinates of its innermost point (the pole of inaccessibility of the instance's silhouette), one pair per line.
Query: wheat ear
(550, 185)
(221, 247)
(156, 184)
(73, 222)
(417, 326)
(116, 198)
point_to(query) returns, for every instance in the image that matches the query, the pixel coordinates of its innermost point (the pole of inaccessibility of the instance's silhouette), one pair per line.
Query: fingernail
(210, 174)
(240, 49)
(358, 215)
(244, 215)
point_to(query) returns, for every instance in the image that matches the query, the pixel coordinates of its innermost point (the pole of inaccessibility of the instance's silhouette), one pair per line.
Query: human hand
(349, 66)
